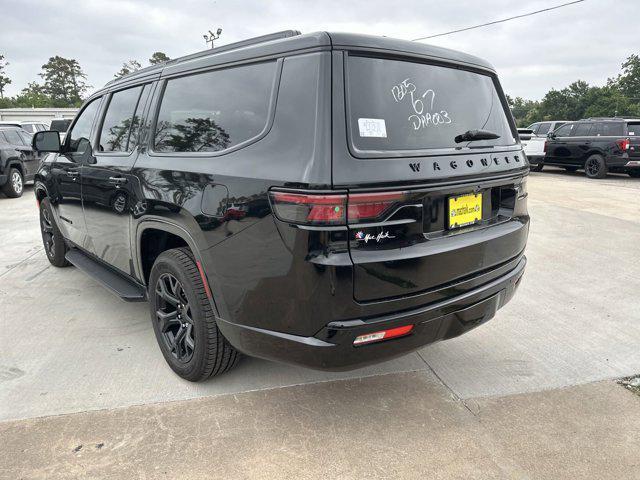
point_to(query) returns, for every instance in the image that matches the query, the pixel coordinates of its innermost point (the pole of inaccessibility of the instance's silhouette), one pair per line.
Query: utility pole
(210, 37)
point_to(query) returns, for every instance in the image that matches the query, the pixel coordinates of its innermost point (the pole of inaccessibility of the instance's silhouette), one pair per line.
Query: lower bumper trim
(332, 347)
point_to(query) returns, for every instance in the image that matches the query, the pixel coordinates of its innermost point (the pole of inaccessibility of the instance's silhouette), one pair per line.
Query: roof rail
(212, 51)
(602, 118)
(233, 46)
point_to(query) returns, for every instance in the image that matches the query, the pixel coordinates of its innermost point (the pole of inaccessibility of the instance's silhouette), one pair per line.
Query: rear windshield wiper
(471, 135)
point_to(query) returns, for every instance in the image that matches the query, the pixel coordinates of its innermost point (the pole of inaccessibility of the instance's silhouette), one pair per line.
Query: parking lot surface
(70, 346)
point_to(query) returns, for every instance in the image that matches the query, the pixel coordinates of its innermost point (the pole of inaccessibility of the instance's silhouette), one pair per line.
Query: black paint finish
(287, 292)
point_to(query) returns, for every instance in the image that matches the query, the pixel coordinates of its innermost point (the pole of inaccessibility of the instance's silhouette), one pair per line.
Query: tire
(52, 239)
(15, 184)
(634, 173)
(537, 167)
(595, 167)
(571, 169)
(183, 320)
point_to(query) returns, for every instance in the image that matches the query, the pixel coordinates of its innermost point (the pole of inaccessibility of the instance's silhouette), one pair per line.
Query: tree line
(63, 83)
(619, 97)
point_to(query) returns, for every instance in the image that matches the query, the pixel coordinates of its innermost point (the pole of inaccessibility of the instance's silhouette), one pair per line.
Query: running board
(127, 290)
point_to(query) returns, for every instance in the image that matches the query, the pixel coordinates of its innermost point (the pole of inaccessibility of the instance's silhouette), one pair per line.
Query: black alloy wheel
(595, 167)
(48, 238)
(52, 239)
(174, 317)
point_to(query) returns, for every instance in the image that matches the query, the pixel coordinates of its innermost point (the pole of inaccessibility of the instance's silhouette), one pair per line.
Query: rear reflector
(382, 335)
(332, 209)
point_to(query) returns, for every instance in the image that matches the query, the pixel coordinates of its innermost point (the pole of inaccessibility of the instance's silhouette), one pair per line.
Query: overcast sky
(585, 41)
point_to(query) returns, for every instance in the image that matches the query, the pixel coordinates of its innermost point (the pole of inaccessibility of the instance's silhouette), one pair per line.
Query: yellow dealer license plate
(465, 210)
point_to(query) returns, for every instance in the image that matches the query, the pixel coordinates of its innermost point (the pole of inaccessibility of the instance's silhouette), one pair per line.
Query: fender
(159, 223)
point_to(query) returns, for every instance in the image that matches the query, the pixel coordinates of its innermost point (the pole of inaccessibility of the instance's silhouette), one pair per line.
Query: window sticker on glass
(372, 127)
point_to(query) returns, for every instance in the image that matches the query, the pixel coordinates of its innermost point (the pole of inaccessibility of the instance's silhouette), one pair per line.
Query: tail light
(544, 149)
(623, 144)
(333, 209)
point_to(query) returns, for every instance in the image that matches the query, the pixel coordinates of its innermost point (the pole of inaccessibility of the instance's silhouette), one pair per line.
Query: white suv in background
(541, 129)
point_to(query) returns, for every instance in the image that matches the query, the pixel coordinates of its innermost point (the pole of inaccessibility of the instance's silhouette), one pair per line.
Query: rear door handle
(118, 180)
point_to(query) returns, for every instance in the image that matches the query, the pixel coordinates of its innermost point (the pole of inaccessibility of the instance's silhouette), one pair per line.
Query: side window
(564, 131)
(582, 130)
(79, 138)
(544, 128)
(29, 127)
(534, 127)
(634, 129)
(26, 138)
(611, 129)
(213, 111)
(3, 139)
(119, 120)
(557, 125)
(13, 137)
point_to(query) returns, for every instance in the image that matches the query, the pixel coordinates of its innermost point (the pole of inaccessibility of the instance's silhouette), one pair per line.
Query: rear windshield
(401, 105)
(634, 128)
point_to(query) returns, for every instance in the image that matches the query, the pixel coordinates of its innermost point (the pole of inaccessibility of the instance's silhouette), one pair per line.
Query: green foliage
(4, 80)
(620, 97)
(128, 67)
(64, 82)
(158, 57)
(33, 96)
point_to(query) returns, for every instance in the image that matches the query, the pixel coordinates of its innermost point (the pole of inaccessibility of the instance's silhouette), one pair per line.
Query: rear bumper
(332, 347)
(535, 159)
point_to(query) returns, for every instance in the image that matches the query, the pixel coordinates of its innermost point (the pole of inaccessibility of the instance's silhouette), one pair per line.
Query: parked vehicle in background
(533, 148)
(542, 129)
(60, 125)
(327, 200)
(18, 160)
(30, 127)
(599, 145)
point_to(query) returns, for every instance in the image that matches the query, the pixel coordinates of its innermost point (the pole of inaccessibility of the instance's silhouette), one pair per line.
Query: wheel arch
(154, 236)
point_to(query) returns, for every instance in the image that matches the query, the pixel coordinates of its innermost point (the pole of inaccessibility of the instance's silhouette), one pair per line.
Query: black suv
(18, 160)
(599, 145)
(328, 200)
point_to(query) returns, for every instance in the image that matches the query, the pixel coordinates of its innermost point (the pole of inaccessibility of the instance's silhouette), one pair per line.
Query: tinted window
(29, 127)
(79, 138)
(582, 130)
(564, 131)
(3, 139)
(40, 127)
(534, 127)
(26, 138)
(398, 105)
(13, 137)
(213, 111)
(544, 128)
(116, 127)
(60, 125)
(558, 125)
(634, 128)
(610, 129)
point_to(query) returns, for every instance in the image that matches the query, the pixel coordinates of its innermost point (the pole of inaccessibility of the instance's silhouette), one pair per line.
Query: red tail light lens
(333, 209)
(371, 206)
(309, 208)
(544, 149)
(623, 144)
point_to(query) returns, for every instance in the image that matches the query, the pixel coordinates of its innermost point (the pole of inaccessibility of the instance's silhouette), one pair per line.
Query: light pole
(210, 37)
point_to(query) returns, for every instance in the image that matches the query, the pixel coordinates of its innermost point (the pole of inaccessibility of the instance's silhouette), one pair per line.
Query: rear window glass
(214, 111)
(634, 128)
(399, 105)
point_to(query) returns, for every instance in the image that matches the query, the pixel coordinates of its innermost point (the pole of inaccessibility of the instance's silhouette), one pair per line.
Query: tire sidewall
(60, 249)
(602, 170)
(9, 191)
(169, 264)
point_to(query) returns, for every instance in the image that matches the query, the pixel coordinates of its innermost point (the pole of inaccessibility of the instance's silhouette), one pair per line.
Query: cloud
(586, 41)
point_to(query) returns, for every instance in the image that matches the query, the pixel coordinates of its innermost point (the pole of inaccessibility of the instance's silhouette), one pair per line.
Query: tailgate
(417, 248)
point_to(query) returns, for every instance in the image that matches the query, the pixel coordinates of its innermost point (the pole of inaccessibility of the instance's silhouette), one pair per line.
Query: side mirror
(551, 135)
(47, 141)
